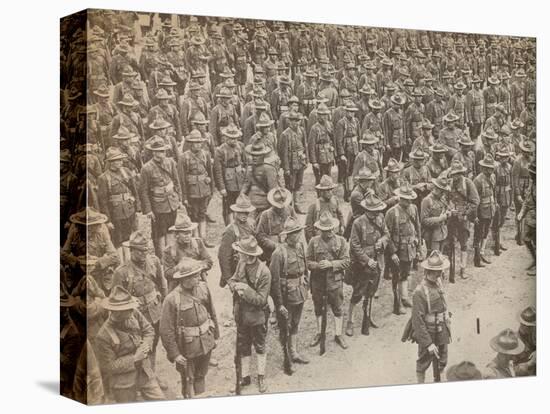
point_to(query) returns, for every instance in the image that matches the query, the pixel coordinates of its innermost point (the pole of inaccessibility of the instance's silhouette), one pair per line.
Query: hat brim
(163, 148)
(484, 164)
(117, 157)
(467, 143)
(524, 322)
(294, 230)
(179, 275)
(444, 188)
(100, 219)
(412, 196)
(452, 376)
(322, 187)
(257, 252)
(161, 126)
(378, 207)
(285, 203)
(236, 209)
(497, 348)
(105, 304)
(335, 223)
(461, 171)
(250, 151)
(176, 229)
(444, 265)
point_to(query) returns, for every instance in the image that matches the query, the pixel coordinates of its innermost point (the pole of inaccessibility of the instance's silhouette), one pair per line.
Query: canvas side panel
(73, 286)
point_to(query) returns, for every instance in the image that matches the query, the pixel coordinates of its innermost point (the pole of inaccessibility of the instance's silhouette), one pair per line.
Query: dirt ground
(494, 294)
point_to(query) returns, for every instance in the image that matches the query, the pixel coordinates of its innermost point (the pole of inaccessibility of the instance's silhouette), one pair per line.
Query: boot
(349, 324)
(496, 247)
(405, 294)
(420, 377)
(366, 318)
(397, 305)
(296, 357)
(338, 337)
(245, 371)
(477, 258)
(463, 261)
(261, 359)
(199, 385)
(317, 338)
(372, 324)
(482, 252)
(202, 234)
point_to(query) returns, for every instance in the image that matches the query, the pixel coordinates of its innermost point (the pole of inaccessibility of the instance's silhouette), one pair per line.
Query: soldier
(497, 120)
(250, 285)
(261, 177)
(463, 371)
(347, 147)
(394, 128)
(190, 105)
(196, 177)
(418, 175)
(128, 142)
(328, 258)
(438, 161)
(369, 156)
(223, 114)
(436, 110)
(118, 196)
(326, 201)
(229, 168)
(485, 185)
(503, 191)
(280, 96)
(403, 224)
(391, 183)
(160, 191)
(294, 157)
(508, 346)
(520, 181)
(189, 327)
(128, 118)
(320, 145)
(290, 282)
(457, 104)
(475, 107)
(425, 140)
(184, 246)
(466, 156)
(143, 277)
(450, 135)
(413, 118)
(241, 227)
(123, 347)
(167, 111)
(434, 214)
(525, 364)
(516, 136)
(430, 318)
(271, 221)
(369, 238)
(491, 96)
(488, 141)
(365, 183)
(162, 128)
(528, 213)
(124, 86)
(372, 122)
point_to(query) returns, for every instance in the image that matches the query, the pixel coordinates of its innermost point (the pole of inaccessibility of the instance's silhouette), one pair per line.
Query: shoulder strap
(113, 335)
(427, 293)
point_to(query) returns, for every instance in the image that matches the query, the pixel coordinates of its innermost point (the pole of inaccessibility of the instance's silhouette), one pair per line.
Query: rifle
(452, 223)
(225, 210)
(238, 362)
(284, 338)
(435, 359)
(187, 389)
(324, 305)
(496, 230)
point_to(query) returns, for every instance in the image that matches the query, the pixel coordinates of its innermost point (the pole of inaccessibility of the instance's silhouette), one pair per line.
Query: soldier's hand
(520, 217)
(283, 311)
(150, 215)
(476, 221)
(287, 173)
(315, 165)
(140, 354)
(343, 158)
(181, 360)
(432, 349)
(372, 264)
(395, 259)
(378, 245)
(325, 264)
(520, 199)
(223, 193)
(239, 286)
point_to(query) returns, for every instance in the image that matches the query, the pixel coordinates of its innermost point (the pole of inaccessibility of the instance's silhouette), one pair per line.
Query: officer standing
(290, 282)
(369, 238)
(189, 327)
(320, 144)
(327, 258)
(346, 137)
(528, 215)
(430, 319)
(434, 214)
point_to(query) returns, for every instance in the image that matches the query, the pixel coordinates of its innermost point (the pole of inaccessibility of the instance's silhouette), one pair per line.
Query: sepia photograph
(261, 206)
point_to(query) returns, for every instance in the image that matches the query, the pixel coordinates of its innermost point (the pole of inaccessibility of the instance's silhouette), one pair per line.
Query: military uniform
(174, 253)
(270, 225)
(449, 137)
(413, 121)
(475, 108)
(520, 186)
(294, 158)
(468, 161)
(229, 170)
(419, 179)
(315, 211)
(221, 116)
(394, 131)
(435, 111)
(321, 149)
(486, 210)
(347, 145)
(503, 189)
(260, 179)
(195, 172)
(433, 226)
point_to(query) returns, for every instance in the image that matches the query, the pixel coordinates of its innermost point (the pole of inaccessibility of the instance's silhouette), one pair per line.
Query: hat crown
(457, 167)
(372, 202)
(294, 115)
(243, 202)
(291, 223)
(436, 259)
(113, 153)
(128, 99)
(198, 117)
(188, 267)
(248, 244)
(263, 118)
(326, 181)
(231, 131)
(418, 154)
(393, 165)
(488, 160)
(279, 195)
(326, 219)
(138, 240)
(162, 94)
(364, 173)
(123, 133)
(119, 296)
(507, 340)
(156, 142)
(406, 190)
(183, 221)
(529, 315)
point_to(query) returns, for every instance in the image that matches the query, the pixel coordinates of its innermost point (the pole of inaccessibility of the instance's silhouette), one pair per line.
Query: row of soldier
(159, 134)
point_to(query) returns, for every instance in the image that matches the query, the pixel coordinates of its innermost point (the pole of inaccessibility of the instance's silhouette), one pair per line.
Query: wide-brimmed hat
(284, 80)
(405, 191)
(488, 161)
(195, 136)
(460, 86)
(489, 133)
(199, 119)
(293, 99)
(162, 94)
(417, 154)
(257, 148)
(397, 99)
(264, 121)
(248, 246)
(138, 241)
(365, 174)
(426, 124)
(102, 91)
(464, 371)
(368, 138)
(279, 197)
(493, 80)
(451, 117)
(159, 123)
(224, 93)
(197, 41)
(114, 154)
(66, 300)
(260, 104)
(408, 82)
(507, 342)
(476, 79)
(242, 205)
(439, 91)
(322, 109)
(527, 146)
(194, 86)
(436, 261)
(417, 92)
(372, 203)
(393, 165)
(528, 316)
(501, 108)
(457, 168)
(442, 182)
(137, 85)
(325, 183)
(187, 267)
(344, 93)
(516, 124)
(182, 223)
(88, 217)
(128, 100)
(292, 225)
(466, 140)
(326, 222)
(119, 300)
(128, 71)
(156, 143)
(123, 133)
(367, 90)
(503, 151)
(167, 81)
(231, 131)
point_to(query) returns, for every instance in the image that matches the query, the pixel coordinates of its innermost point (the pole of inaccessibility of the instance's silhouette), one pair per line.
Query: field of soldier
(232, 189)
